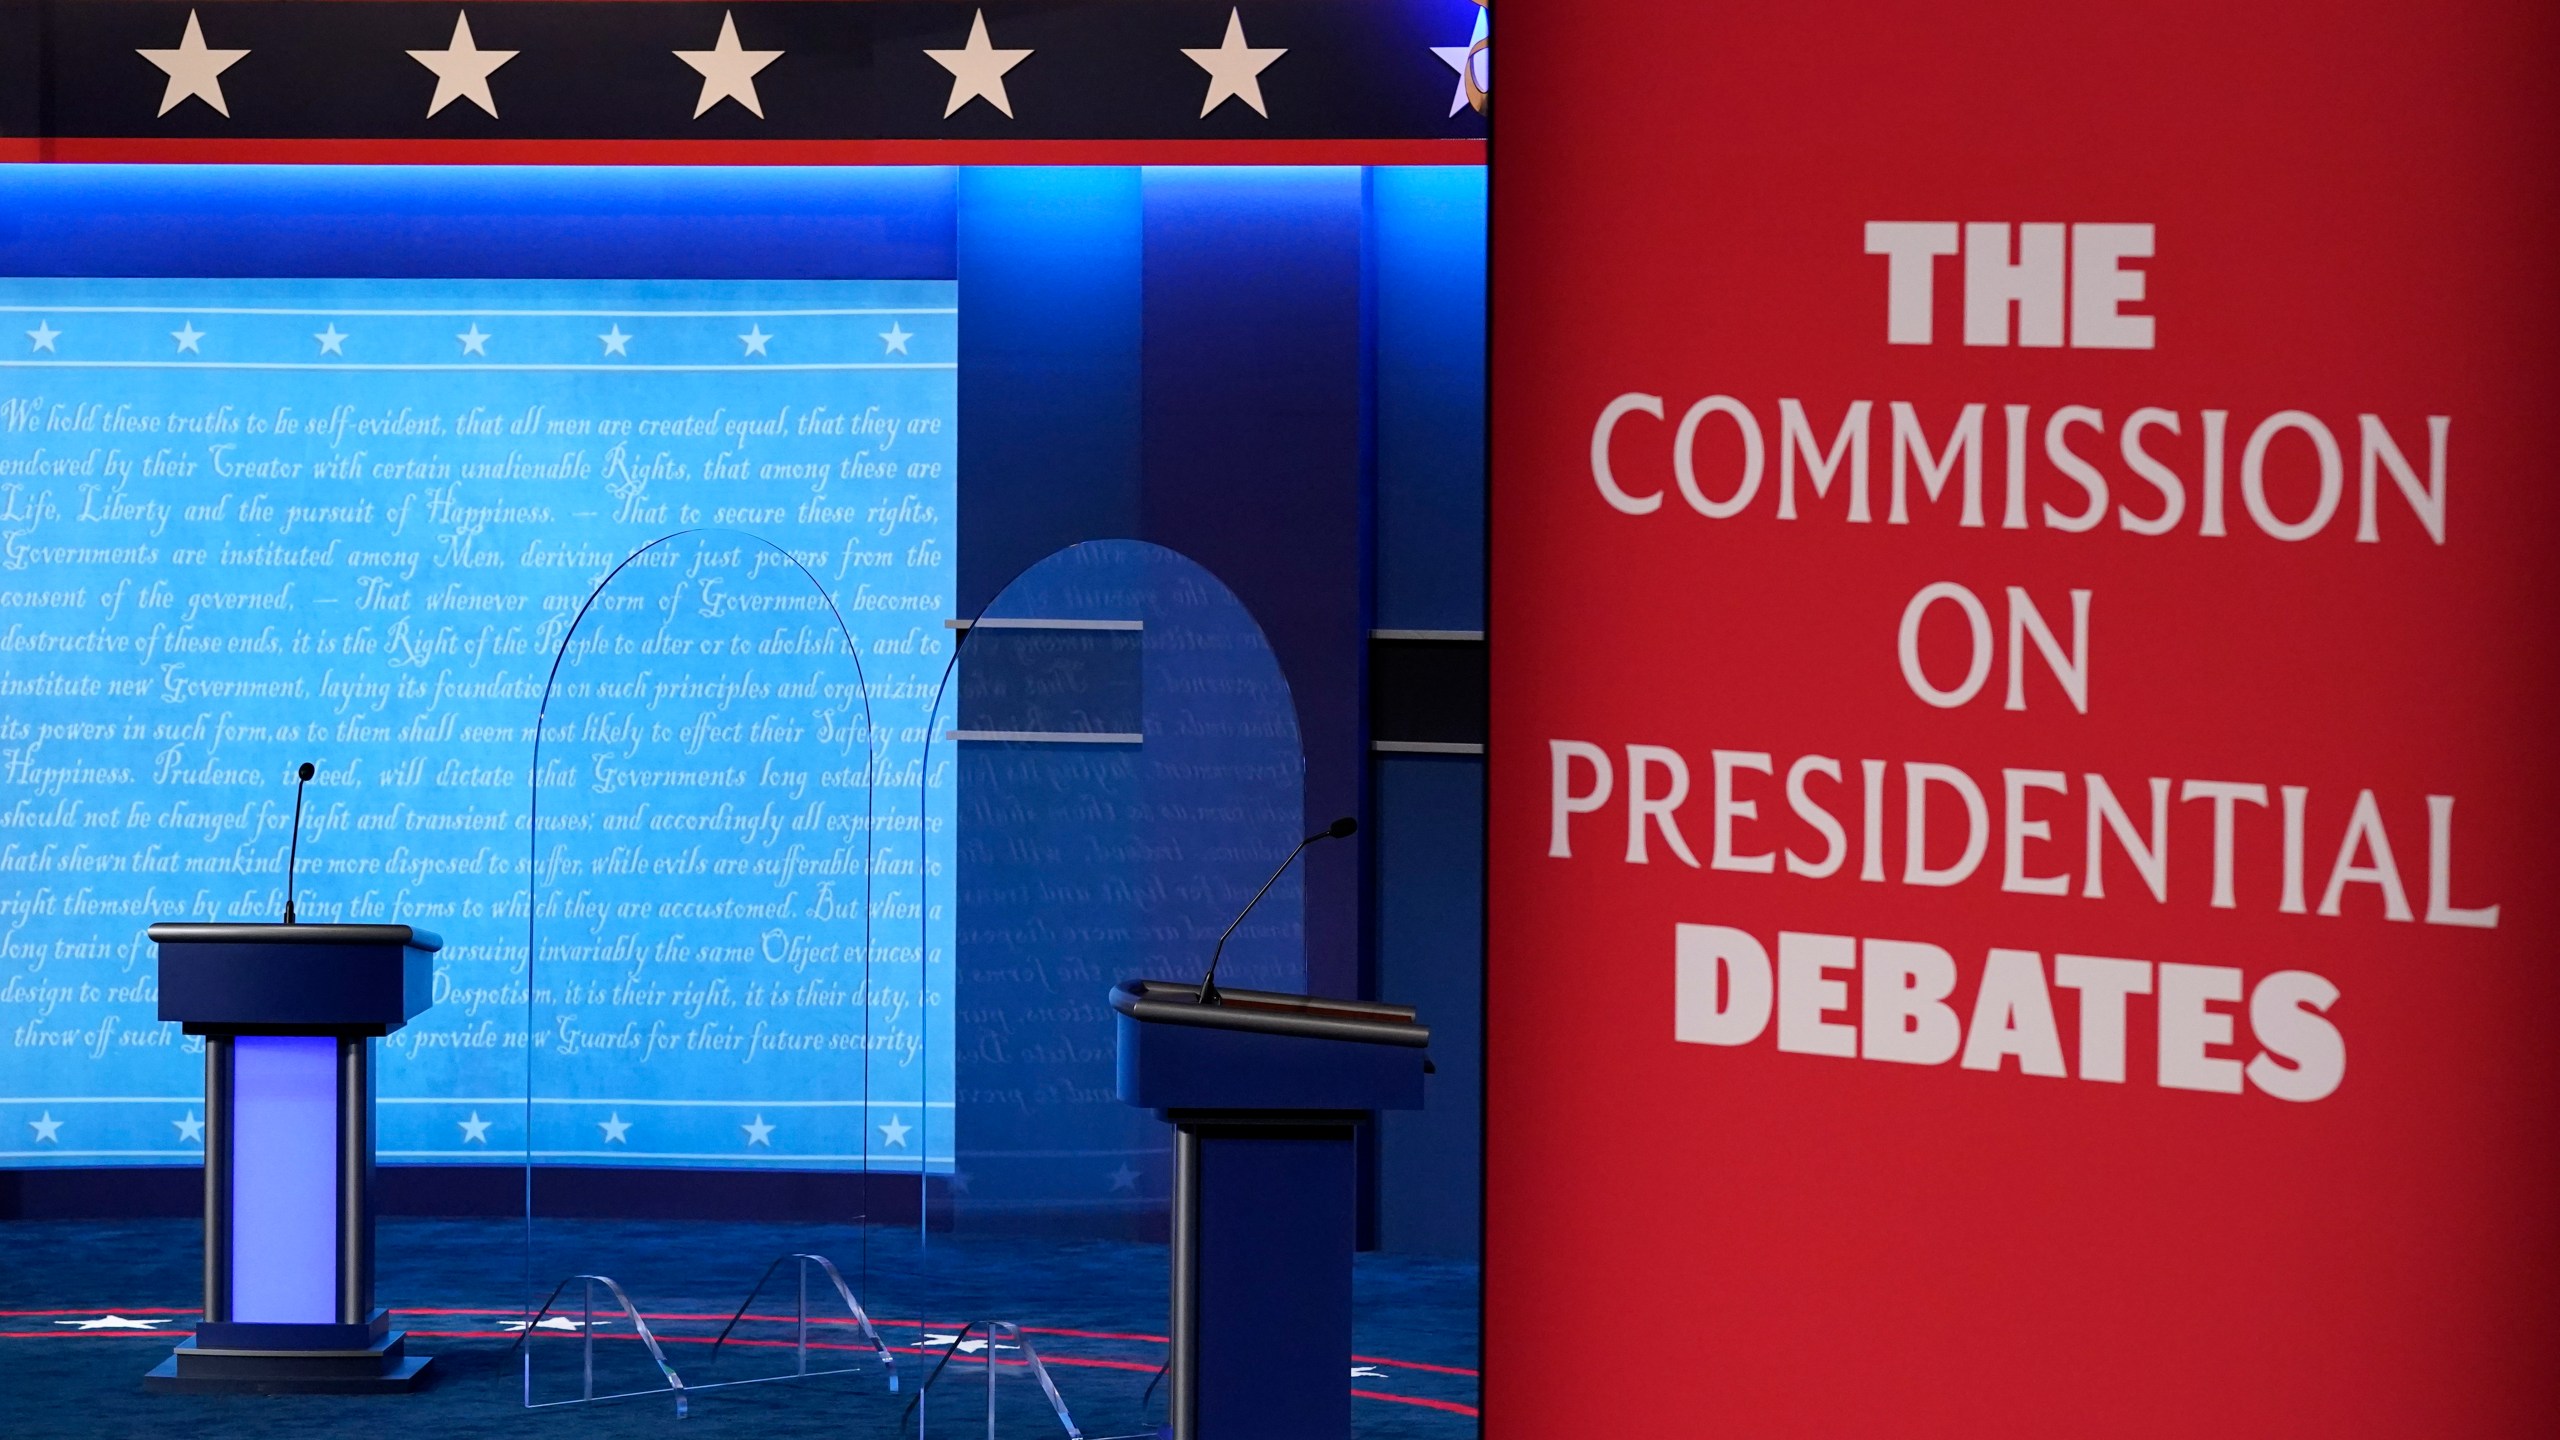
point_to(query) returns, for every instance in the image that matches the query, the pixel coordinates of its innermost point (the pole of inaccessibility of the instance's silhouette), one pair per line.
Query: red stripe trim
(1452, 1406)
(1416, 1365)
(171, 150)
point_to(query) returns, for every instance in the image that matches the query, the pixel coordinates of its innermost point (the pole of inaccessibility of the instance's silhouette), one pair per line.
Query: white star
(615, 1128)
(758, 1132)
(473, 341)
(190, 1128)
(475, 1131)
(615, 342)
(1235, 69)
(1124, 1178)
(894, 339)
(188, 337)
(937, 1341)
(1455, 57)
(555, 1322)
(977, 70)
(111, 1322)
(1367, 1372)
(462, 69)
(48, 1130)
(754, 340)
(895, 1132)
(333, 340)
(44, 335)
(193, 70)
(728, 72)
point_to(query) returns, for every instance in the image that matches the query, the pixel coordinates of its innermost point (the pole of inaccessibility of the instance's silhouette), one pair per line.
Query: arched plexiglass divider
(709, 1033)
(1114, 751)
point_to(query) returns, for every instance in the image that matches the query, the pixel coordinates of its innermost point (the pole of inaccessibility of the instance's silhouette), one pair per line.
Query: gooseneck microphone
(1338, 830)
(293, 857)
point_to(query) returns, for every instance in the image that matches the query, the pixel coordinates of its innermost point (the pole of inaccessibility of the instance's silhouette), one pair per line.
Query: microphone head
(307, 771)
(1341, 829)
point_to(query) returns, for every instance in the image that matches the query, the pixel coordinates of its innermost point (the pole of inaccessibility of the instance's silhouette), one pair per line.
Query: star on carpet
(190, 1128)
(555, 1322)
(754, 340)
(475, 341)
(187, 338)
(194, 72)
(48, 1130)
(43, 336)
(616, 342)
(893, 341)
(728, 72)
(475, 1131)
(1235, 69)
(1367, 1372)
(977, 70)
(758, 1132)
(615, 1128)
(111, 1322)
(462, 69)
(333, 341)
(895, 1132)
(1124, 1178)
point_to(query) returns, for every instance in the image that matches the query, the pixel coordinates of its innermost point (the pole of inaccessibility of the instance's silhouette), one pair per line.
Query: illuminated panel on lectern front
(250, 522)
(284, 1179)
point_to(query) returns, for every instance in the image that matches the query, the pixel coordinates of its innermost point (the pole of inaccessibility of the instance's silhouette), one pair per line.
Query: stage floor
(87, 1306)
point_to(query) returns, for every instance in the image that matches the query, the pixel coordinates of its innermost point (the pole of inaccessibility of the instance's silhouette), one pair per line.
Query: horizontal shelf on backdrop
(1050, 737)
(1012, 624)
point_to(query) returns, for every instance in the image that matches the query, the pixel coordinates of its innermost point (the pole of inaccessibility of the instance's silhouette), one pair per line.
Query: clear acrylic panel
(706, 1046)
(1116, 751)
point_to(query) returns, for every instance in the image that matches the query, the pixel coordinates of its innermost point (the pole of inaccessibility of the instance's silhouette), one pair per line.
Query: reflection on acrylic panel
(1129, 773)
(708, 985)
(248, 523)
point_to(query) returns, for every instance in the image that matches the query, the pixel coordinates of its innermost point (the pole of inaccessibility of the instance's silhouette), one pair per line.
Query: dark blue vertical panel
(1428, 246)
(1050, 279)
(1274, 1295)
(1256, 452)
(1430, 847)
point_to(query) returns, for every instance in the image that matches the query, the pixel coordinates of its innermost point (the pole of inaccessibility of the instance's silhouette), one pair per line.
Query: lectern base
(376, 1370)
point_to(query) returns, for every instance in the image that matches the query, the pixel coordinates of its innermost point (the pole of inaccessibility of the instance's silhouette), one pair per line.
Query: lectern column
(289, 1015)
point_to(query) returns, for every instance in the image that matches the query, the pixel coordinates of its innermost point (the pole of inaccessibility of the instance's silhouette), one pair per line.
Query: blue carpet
(1094, 1311)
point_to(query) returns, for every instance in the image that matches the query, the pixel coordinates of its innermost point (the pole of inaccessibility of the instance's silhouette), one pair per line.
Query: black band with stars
(599, 70)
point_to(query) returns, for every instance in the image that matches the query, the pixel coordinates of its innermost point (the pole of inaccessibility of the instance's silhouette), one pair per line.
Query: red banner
(2024, 721)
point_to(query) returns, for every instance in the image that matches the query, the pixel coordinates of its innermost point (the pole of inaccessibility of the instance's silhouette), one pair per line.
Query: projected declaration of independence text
(248, 523)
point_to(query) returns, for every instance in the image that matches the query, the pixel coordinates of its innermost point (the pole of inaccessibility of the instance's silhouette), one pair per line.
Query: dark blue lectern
(1263, 1091)
(289, 1014)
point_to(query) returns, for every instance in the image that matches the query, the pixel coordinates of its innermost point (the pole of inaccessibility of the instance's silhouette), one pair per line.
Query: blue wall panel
(1050, 277)
(610, 223)
(1431, 956)
(1428, 246)
(1256, 453)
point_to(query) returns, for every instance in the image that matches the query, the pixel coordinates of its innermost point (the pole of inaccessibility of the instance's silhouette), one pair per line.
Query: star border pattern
(1347, 71)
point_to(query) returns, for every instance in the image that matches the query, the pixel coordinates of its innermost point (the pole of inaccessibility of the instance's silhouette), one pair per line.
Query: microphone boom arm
(1209, 982)
(293, 856)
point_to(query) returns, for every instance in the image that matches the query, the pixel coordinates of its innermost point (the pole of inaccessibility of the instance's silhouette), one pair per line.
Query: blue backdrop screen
(247, 522)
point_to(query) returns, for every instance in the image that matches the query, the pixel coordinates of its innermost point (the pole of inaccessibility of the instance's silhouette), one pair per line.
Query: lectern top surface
(1370, 1022)
(171, 933)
